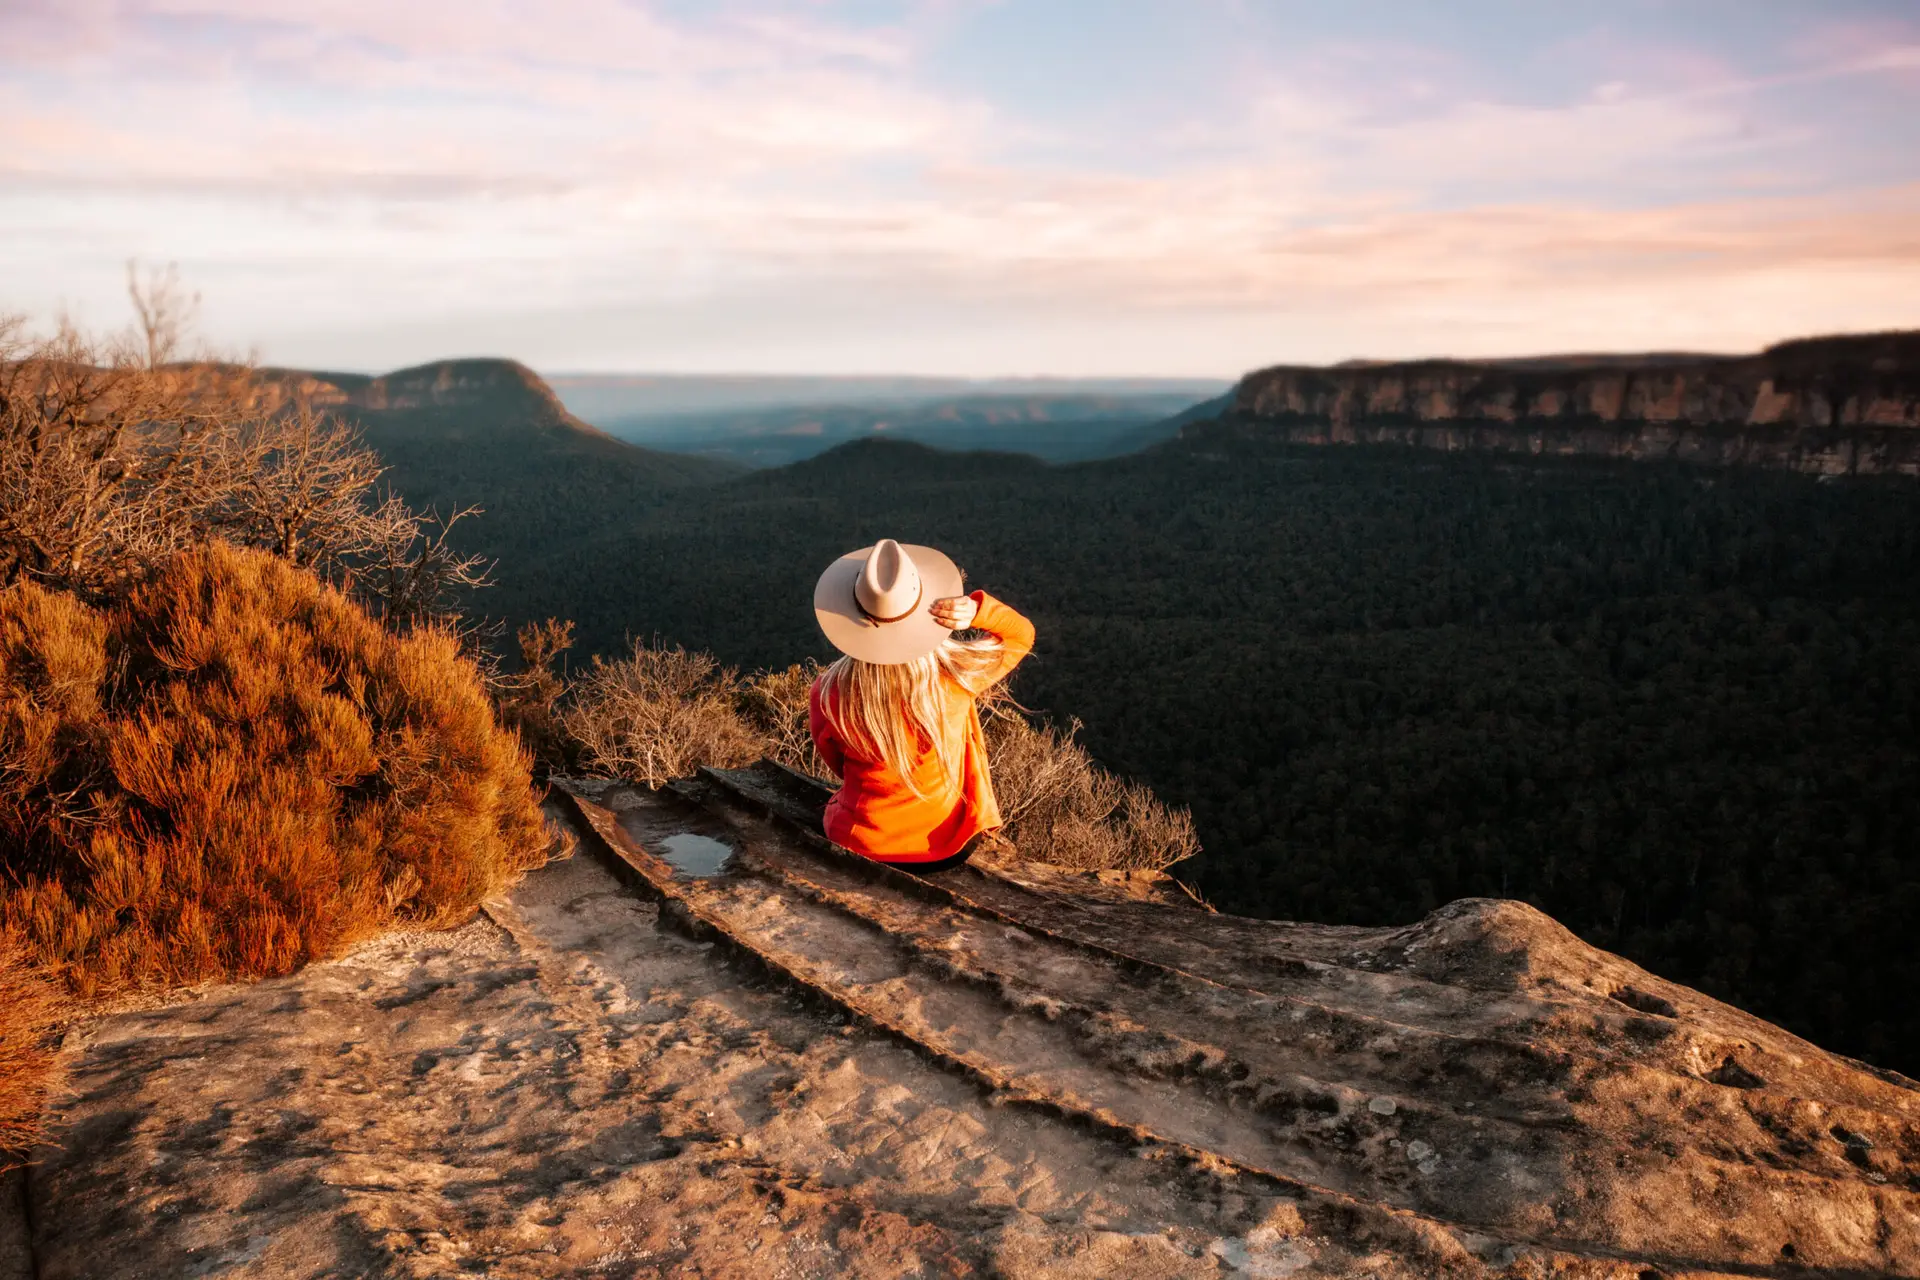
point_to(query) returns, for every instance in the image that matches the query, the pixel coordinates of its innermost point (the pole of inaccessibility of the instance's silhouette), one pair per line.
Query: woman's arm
(982, 612)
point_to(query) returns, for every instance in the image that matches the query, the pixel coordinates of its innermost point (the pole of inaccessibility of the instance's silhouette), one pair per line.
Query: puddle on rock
(695, 856)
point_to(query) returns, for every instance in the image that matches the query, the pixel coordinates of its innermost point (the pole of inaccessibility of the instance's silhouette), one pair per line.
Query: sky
(965, 187)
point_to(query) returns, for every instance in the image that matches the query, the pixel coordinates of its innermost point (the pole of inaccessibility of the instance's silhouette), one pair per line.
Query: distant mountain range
(613, 397)
(1841, 405)
(491, 433)
(770, 421)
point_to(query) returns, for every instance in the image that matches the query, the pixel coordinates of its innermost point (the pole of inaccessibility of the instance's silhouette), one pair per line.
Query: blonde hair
(891, 713)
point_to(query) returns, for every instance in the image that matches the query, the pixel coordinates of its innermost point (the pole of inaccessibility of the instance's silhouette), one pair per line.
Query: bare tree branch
(163, 310)
(406, 572)
(114, 456)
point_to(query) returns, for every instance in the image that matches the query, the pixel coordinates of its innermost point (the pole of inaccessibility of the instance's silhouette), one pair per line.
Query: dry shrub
(238, 771)
(663, 712)
(659, 714)
(775, 706)
(29, 1004)
(1062, 808)
(528, 699)
(114, 458)
(53, 669)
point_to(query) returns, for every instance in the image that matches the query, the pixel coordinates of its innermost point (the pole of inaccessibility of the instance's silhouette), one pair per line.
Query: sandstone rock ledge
(1847, 405)
(789, 1069)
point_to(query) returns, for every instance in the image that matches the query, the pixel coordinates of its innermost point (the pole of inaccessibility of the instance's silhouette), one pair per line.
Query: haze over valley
(770, 420)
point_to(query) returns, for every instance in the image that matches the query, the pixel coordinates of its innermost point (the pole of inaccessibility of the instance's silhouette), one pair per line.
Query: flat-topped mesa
(479, 383)
(482, 393)
(1831, 406)
(458, 384)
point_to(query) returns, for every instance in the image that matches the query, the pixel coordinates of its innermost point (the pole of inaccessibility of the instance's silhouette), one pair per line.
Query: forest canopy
(1674, 707)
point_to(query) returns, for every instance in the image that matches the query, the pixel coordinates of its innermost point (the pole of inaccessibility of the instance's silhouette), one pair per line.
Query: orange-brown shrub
(28, 1004)
(528, 699)
(238, 771)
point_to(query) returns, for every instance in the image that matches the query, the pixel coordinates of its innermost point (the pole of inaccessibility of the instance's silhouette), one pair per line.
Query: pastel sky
(973, 187)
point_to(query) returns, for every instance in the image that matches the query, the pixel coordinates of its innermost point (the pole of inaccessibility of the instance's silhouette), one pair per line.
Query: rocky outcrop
(573, 1087)
(710, 1045)
(1830, 406)
(484, 392)
(457, 384)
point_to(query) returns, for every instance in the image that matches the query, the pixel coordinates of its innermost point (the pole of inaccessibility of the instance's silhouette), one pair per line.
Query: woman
(895, 716)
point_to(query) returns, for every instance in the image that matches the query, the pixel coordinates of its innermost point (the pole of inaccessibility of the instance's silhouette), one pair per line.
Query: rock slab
(586, 1081)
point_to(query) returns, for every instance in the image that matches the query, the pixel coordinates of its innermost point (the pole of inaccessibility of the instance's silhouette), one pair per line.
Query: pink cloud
(590, 153)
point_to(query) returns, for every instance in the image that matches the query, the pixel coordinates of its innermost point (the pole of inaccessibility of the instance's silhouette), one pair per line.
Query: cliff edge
(710, 1045)
(1830, 406)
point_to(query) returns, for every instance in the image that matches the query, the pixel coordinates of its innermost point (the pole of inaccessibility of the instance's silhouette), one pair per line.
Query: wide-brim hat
(872, 603)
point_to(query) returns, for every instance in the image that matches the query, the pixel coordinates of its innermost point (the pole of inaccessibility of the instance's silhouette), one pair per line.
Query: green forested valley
(1678, 709)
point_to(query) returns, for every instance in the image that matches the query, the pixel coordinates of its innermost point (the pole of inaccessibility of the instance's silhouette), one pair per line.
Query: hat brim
(884, 643)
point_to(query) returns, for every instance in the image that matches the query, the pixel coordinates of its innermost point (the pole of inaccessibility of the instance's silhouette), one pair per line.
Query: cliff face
(1829, 406)
(483, 389)
(458, 384)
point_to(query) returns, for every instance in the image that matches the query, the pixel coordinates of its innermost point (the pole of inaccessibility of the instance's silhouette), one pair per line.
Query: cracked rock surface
(791, 1068)
(574, 1091)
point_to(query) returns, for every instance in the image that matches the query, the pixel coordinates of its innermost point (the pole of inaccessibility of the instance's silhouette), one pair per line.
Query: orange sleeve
(1009, 627)
(825, 740)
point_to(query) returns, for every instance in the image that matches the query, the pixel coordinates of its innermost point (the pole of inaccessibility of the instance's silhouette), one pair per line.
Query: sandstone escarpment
(1830, 406)
(454, 384)
(480, 392)
(711, 1045)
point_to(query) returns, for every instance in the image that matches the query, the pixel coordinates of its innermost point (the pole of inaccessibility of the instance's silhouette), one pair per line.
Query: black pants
(944, 864)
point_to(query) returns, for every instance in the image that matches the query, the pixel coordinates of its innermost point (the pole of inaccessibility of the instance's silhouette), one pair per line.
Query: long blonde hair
(891, 713)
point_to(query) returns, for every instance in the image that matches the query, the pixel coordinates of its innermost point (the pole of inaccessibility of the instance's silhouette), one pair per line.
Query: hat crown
(888, 588)
(871, 603)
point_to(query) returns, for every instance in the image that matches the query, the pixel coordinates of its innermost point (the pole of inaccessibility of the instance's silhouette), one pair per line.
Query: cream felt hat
(872, 603)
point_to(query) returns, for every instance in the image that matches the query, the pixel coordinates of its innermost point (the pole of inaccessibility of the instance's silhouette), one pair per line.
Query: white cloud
(349, 167)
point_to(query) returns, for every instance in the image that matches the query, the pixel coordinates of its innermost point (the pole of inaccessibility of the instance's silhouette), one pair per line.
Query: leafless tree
(298, 484)
(404, 568)
(163, 311)
(103, 462)
(116, 455)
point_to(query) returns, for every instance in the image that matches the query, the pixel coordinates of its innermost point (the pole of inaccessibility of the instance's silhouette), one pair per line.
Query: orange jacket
(875, 814)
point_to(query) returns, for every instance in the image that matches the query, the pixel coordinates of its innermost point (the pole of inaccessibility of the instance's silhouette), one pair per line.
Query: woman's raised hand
(955, 613)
